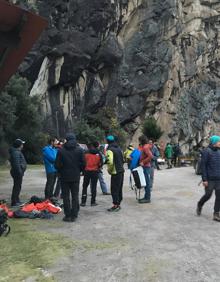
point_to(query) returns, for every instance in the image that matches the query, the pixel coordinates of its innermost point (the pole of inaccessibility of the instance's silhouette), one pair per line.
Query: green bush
(151, 129)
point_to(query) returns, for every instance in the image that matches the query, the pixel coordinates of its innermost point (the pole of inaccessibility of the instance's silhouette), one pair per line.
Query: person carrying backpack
(115, 166)
(18, 167)
(210, 164)
(94, 163)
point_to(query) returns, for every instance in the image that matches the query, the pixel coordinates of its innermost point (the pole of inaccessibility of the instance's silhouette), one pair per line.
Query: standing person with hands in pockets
(18, 167)
(70, 162)
(210, 164)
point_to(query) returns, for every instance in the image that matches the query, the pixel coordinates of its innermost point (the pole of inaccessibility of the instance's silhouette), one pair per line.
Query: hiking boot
(73, 219)
(144, 201)
(82, 204)
(67, 219)
(106, 193)
(216, 216)
(94, 204)
(198, 210)
(114, 209)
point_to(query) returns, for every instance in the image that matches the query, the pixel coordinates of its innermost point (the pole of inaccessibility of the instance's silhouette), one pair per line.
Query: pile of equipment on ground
(35, 208)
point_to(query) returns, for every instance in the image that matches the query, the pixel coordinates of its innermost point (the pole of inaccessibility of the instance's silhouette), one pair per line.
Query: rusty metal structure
(19, 30)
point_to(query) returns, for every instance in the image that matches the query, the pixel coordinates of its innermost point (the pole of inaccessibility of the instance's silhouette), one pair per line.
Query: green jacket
(169, 152)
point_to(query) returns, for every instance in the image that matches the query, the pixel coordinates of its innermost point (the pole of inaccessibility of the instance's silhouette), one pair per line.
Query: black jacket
(18, 162)
(118, 157)
(70, 162)
(210, 164)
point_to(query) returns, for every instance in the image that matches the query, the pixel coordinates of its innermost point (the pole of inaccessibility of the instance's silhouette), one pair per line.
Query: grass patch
(26, 251)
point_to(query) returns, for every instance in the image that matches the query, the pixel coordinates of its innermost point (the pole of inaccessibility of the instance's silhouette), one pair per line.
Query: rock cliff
(138, 57)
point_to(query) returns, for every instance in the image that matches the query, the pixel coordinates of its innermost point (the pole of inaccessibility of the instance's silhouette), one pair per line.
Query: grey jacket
(18, 162)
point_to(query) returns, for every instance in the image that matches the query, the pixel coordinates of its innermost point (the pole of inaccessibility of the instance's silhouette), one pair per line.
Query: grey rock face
(139, 57)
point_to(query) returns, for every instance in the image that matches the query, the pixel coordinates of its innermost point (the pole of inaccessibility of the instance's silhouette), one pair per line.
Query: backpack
(139, 180)
(4, 227)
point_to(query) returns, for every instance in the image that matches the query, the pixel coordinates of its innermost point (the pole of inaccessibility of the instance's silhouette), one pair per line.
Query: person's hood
(70, 145)
(70, 137)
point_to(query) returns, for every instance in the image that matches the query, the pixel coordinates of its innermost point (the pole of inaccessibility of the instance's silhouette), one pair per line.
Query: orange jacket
(45, 205)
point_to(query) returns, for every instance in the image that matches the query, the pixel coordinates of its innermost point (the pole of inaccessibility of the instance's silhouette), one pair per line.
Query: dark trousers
(213, 185)
(16, 189)
(90, 176)
(51, 179)
(71, 207)
(117, 181)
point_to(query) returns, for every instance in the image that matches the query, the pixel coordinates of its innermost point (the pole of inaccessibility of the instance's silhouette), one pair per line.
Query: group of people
(65, 162)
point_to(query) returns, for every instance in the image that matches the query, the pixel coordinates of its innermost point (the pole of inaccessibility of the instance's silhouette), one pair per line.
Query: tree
(151, 129)
(20, 117)
(86, 133)
(107, 121)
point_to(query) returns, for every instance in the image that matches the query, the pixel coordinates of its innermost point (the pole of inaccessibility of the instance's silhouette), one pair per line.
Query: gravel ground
(163, 241)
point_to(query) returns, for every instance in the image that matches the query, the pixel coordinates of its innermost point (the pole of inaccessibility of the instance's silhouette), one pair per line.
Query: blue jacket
(210, 164)
(135, 158)
(49, 156)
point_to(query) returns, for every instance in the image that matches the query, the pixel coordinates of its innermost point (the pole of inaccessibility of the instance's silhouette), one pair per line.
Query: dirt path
(160, 242)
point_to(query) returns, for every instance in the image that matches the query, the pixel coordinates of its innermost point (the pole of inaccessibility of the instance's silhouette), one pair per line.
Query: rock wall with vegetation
(120, 61)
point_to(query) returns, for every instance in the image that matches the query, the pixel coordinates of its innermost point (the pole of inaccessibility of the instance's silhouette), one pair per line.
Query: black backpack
(4, 227)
